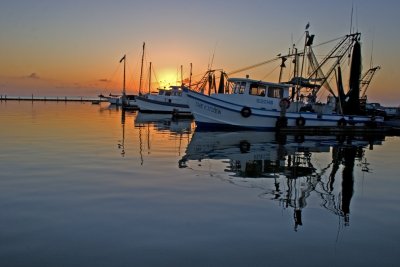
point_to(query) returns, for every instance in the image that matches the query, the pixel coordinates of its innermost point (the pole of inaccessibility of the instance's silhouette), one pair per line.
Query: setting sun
(168, 77)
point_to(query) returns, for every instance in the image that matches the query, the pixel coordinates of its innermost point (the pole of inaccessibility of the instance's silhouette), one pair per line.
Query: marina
(199, 133)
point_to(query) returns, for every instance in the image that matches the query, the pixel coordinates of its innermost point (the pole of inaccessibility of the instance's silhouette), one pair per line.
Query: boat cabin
(258, 88)
(173, 90)
(255, 93)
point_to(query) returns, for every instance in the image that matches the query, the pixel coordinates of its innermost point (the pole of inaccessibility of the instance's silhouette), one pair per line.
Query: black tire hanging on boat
(246, 112)
(342, 122)
(284, 103)
(300, 121)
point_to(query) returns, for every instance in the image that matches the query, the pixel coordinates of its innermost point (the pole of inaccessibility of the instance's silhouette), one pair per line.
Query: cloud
(33, 75)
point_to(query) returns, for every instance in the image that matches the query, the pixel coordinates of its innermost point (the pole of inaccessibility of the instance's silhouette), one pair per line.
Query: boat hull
(157, 106)
(216, 113)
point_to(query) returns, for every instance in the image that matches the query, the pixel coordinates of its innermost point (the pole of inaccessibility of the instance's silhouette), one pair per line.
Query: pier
(347, 130)
(52, 98)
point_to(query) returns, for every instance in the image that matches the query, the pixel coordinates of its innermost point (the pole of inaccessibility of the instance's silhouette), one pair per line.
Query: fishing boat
(167, 100)
(263, 105)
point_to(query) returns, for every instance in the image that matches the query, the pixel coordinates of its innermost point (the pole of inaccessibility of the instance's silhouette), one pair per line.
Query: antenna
(351, 18)
(372, 51)
(212, 58)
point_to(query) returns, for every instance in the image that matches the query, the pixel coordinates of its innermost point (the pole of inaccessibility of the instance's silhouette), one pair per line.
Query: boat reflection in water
(164, 122)
(166, 129)
(287, 168)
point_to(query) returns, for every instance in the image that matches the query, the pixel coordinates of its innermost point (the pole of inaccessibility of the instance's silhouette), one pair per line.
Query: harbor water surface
(92, 185)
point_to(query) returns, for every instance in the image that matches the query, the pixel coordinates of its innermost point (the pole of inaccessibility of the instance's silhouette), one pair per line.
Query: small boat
(262, 105)
(168, 100)
(112, 99)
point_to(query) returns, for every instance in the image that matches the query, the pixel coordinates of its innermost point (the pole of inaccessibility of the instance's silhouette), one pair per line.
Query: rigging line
(131, 78)
(212, 58)
(275, 59)
(298, 41)
(113, 75)
(253, 66)
(269, 73)
(155, 75)
(327, 42)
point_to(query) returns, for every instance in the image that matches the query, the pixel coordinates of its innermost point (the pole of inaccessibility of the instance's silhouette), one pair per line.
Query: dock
(339, 130)
(53, 98)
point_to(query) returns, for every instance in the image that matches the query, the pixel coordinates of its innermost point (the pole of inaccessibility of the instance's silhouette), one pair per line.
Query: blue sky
(67, 47)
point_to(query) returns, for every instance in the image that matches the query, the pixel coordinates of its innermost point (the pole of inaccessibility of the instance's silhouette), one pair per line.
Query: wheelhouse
(171, 91)
(258, 88)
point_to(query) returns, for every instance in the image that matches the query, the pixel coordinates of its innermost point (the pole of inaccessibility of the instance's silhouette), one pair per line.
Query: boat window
(167, 93)
(242, 87)
(275, 92)
(238, 87)
(257, 89)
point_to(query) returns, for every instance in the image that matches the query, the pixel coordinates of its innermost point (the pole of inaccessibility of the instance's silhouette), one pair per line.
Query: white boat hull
(158, 106)
(211, 112)
(113, 100)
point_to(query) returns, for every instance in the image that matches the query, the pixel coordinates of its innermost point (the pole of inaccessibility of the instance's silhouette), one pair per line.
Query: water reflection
(161, 124)
(289, 169)
(164, 122)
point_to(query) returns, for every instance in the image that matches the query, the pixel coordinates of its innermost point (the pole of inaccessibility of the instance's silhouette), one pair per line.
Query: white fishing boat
(168, 100)
(255, 104)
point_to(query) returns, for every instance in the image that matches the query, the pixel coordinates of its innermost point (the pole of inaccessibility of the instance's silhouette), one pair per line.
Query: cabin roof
(170, 88)
(235, 80)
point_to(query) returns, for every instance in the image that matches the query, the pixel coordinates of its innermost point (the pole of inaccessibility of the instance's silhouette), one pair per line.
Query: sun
(168, 77)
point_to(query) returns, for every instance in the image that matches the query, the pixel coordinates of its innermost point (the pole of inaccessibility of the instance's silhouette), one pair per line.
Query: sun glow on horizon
(168, 77)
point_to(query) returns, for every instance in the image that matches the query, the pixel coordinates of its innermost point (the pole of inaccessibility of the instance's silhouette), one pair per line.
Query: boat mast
(150, 79)
(281, 68)
(181, 75)
(141, 71)
(123, 81)
(190, 77)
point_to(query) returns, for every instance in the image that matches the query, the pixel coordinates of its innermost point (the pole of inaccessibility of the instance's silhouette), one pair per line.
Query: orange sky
(58, 48)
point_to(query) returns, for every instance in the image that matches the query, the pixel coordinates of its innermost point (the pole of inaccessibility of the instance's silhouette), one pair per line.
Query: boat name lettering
(209, 108)
(265, 101)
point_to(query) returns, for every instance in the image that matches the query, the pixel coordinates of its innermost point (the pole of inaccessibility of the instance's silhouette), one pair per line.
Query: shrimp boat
(168, 100)
(262, 105)
(165, 101)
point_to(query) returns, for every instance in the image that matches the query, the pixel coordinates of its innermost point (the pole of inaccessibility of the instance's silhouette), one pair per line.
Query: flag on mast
(123, 58)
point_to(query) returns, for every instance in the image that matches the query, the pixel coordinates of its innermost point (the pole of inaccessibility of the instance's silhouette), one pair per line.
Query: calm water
(89, 185)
